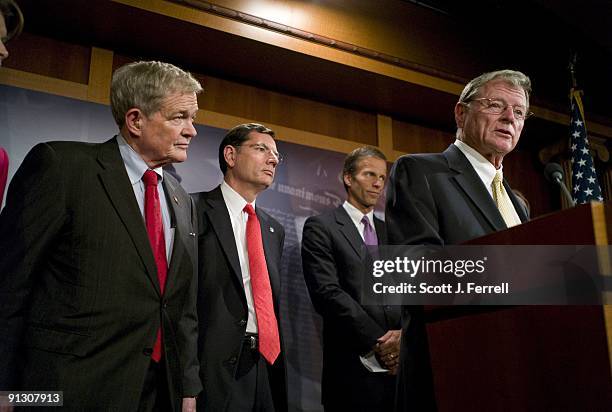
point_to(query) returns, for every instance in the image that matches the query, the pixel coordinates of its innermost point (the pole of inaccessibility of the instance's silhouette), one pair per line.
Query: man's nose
(3, 52)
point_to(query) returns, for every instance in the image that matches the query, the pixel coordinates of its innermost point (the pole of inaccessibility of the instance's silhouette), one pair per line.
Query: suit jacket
(439, 199)
(222, 306)
(79, 294)
(333, 256)
(434, 199)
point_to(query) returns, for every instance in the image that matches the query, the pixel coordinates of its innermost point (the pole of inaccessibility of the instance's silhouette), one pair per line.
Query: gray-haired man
(97, 282)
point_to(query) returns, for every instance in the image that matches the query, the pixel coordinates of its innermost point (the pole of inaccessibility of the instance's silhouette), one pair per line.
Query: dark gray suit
(222, 306)
(439, 199)
(79, 294)
(333, 256)
(434, 199)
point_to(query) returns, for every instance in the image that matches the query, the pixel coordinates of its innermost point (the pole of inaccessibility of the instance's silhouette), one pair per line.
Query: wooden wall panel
(49, 57)
(411, 138)
(254, 103)
(524, 172)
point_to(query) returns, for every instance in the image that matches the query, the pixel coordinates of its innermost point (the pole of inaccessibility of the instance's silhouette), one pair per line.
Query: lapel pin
(271, 229)
(175, 200)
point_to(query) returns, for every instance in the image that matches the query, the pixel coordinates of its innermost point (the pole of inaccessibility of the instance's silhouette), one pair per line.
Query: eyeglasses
(498, 106)
(263, 149)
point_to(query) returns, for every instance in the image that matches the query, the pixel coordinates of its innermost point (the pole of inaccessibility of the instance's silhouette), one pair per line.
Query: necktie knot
(149, 178)
(249, 209)
(498, 178)
(365, 221)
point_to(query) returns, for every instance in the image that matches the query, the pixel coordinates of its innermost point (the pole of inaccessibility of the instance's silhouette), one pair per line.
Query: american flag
(585, 186)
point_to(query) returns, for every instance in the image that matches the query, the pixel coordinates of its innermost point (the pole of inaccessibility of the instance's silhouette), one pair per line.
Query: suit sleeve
(411, 213)
(328, 297)
(32, 218)
(188, 329)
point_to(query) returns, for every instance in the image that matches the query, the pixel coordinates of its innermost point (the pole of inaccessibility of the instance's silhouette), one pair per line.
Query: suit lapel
(179, 208)
(471, 184)
(219, 218)
(381, 231)
(269, 239)
(115, 180)
(349, 231)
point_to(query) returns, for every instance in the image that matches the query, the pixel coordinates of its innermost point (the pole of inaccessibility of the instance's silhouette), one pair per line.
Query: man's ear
(460, 111)
(133, 121)
(229, 154)
(347, 178)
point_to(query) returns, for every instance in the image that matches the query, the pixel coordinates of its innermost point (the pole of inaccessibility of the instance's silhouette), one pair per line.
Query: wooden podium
(528, 358)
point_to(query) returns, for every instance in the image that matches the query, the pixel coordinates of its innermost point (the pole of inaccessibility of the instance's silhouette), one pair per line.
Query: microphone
(554, 173)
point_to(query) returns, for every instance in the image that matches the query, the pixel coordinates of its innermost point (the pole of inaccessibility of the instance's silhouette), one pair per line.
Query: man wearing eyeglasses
(240, 246)
(460, 194)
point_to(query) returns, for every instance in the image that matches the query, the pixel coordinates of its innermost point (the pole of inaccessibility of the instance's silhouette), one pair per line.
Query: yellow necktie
(503, 202)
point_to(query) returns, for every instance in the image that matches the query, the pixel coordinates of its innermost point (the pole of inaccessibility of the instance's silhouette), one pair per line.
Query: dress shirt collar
(134, 164)
(234, 201)
(356, 215)
(485, 169)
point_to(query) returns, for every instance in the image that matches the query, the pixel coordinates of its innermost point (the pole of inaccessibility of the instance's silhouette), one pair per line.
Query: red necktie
(155, 229)
(269, 342)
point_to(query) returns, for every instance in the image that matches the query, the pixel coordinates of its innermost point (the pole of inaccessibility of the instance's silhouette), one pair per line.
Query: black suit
(80, 297)
(222, 306)
(440, 199)
(434, 199)
(333, 256)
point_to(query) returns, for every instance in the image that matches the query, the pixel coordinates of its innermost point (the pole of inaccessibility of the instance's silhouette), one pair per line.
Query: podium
(528, 358)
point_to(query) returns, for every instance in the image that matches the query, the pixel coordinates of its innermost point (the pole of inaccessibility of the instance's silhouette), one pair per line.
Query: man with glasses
(460, 194)
(240, 246)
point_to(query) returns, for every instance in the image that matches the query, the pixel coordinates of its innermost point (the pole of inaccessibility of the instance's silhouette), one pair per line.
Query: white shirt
(235, 205)
(135, 167)
(356, 215)
(485, 169)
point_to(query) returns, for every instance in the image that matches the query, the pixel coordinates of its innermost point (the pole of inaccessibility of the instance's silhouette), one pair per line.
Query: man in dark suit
(460, 194)
(240, 348)
(98, 258)
(360, 342)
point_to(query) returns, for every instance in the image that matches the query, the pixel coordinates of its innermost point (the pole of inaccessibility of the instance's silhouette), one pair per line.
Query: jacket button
(165, 304)
(232, 360)
(242, 322)
(147, 351)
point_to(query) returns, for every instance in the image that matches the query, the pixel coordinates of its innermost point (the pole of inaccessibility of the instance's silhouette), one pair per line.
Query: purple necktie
(369, 235)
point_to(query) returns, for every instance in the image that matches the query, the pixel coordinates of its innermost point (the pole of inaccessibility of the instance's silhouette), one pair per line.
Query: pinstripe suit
(80, 298)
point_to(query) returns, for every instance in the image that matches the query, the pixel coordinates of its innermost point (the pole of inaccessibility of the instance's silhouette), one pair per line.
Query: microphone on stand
(554, 173)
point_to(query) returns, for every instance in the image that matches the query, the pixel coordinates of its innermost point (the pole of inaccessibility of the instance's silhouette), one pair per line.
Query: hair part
(237, 136)
(145, 84)
(511, 77)
(13, 18)
(351, 161)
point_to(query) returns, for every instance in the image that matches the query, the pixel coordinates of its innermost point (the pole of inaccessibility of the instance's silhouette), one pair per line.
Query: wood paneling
(251, 102)
(49, 57)
(525, 173)
(411, 138)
